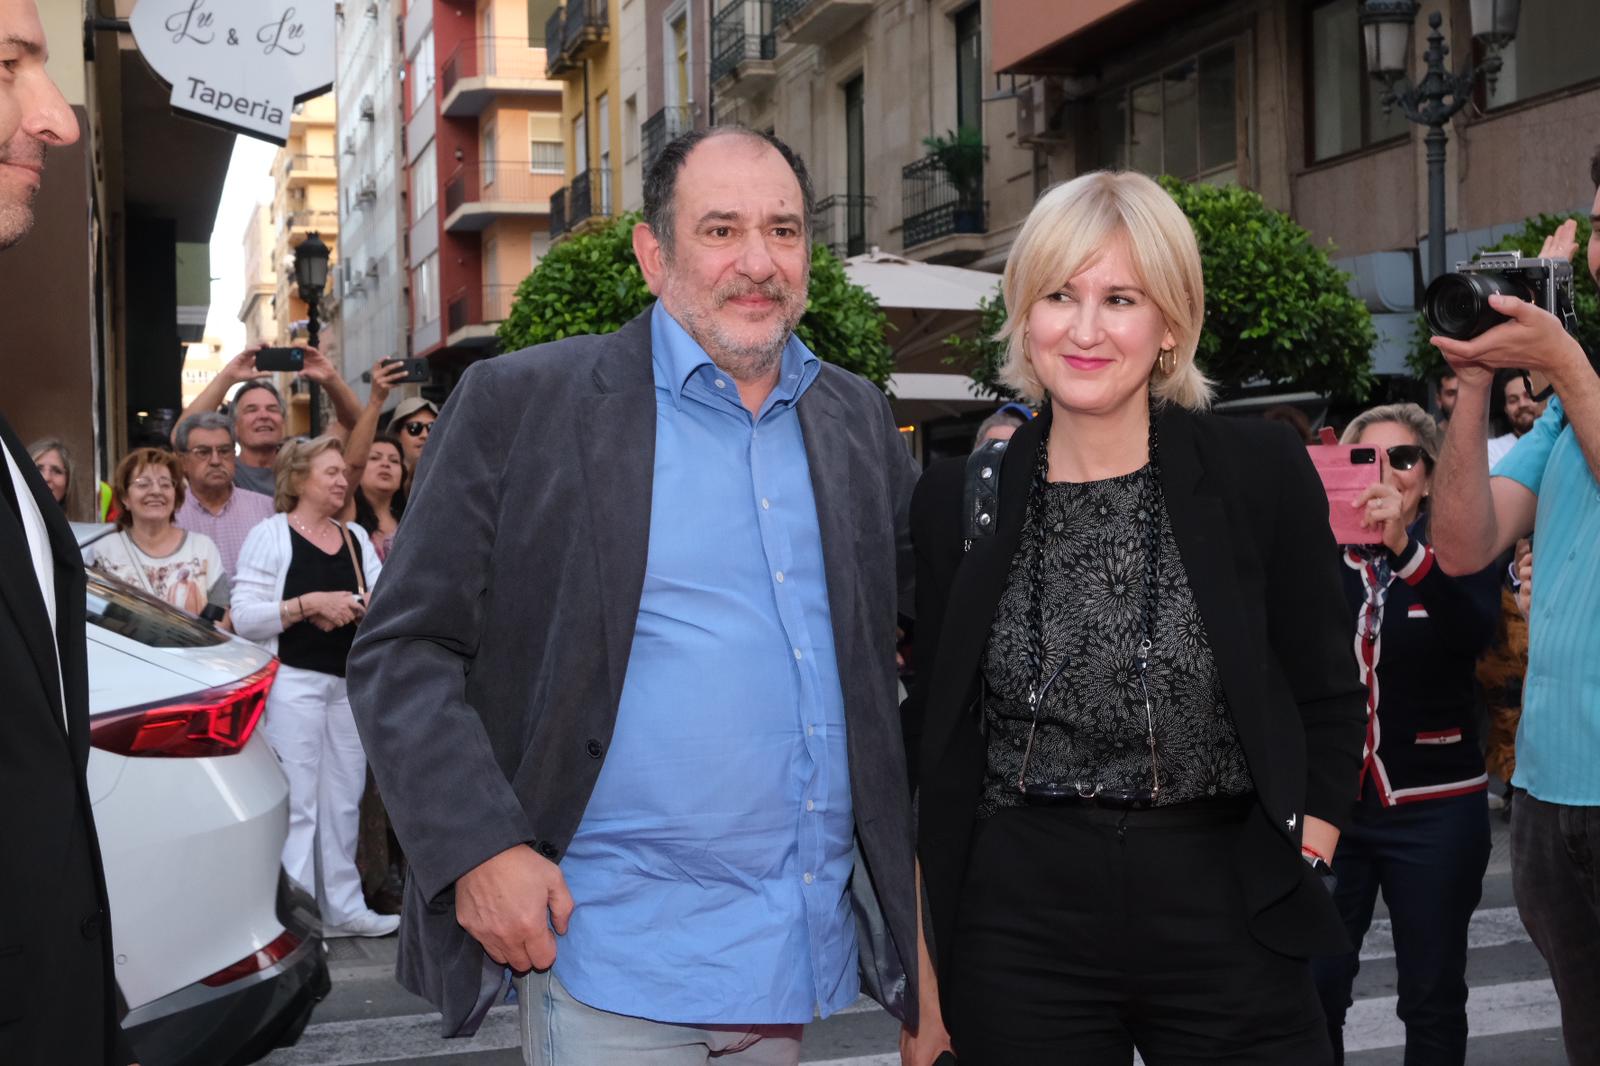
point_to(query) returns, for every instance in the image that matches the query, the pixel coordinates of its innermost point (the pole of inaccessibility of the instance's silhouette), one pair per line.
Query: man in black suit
(57, 990)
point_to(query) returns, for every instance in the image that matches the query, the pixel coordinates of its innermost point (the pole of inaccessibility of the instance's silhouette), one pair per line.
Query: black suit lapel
(19, 586)
(619, 465)
(1204, 537)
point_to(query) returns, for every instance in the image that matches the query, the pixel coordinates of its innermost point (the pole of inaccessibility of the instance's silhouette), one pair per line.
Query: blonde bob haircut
(294, 461)
(1069, 226)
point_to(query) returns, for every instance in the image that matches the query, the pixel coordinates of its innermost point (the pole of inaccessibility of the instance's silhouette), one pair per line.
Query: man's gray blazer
(486, 676)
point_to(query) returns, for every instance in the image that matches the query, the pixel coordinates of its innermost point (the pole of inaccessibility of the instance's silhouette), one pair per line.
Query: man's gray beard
(16, 220)
(744, 362)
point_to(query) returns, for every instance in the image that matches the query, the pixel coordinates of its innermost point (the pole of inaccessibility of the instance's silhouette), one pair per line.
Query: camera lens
(1457, 305)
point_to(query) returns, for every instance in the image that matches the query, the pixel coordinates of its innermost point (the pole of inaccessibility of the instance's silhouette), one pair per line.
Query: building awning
(926, 304)
(1061, 37)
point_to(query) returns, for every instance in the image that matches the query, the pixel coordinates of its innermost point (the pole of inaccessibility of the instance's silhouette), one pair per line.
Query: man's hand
(509, 903)
(316, 366)
(1533, 339)
(1563, 243)
(241, 367)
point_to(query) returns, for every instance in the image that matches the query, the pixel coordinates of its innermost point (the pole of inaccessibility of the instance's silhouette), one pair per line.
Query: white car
(219, 956)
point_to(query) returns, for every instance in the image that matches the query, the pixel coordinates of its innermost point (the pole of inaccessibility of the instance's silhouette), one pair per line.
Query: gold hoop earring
(1167, 361)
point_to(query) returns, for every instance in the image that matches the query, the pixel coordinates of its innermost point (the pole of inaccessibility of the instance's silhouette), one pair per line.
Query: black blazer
(57, 987)
(1250, 519)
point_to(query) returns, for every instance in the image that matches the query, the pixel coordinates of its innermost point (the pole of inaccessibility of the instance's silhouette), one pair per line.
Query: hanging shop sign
(242, 64)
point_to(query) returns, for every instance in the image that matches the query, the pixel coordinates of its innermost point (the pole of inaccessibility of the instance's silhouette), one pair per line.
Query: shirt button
(779, 576)
(766, 504)
(807, 878)
(721, 384)
(810, 730)
(797, 655)
(811, 805)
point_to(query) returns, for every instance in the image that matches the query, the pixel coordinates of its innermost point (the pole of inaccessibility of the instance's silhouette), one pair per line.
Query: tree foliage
(591, 283)
(1277, 310)
(984, 353)
(1424, 359)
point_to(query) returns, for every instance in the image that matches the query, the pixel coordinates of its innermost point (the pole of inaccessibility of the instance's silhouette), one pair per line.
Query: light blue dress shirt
(1558, 739)
(712, 866)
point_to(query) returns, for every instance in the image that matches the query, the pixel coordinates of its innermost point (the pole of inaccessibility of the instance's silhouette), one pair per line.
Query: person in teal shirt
(1546, 486)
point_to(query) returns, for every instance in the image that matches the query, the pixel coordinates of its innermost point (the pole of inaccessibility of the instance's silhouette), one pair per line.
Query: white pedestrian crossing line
(1492, 1010)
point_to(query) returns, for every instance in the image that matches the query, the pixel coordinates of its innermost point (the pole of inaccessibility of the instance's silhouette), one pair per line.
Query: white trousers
(310, 728)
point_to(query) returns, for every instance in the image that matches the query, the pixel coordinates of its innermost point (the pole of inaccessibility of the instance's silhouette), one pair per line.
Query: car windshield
(132, 614)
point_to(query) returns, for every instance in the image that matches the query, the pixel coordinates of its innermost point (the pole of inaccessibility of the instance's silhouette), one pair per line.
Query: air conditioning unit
(369, 190)
(368, 109)
(372, 268)
(1041, 112)
(349, 144)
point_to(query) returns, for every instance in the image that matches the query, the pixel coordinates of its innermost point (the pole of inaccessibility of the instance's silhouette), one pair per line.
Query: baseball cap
(410, 406)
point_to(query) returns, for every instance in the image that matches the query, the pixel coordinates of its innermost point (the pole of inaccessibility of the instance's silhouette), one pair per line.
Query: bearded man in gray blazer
(628, 683)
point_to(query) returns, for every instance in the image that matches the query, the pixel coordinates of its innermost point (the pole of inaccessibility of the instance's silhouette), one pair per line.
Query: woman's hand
(1525, 576)
(385, 376)
(1381, 510)
(331, 610)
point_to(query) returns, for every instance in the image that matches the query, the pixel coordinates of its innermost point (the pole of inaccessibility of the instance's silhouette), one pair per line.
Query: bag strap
(980, 497)
(361, 573)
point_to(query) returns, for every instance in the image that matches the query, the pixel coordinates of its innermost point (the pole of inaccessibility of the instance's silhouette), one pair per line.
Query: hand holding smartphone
(1347, 470)
(286, 359)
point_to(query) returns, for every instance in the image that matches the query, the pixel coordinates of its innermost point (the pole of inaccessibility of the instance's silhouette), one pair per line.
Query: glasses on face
(1406, 456)
(144, 484)
(416, 429)
(205, 453)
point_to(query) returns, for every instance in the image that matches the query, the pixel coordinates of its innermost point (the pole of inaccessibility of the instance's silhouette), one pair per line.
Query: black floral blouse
(1092, 729)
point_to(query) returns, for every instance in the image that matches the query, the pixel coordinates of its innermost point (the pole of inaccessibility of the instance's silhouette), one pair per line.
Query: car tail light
(254, 963)
(217, 721)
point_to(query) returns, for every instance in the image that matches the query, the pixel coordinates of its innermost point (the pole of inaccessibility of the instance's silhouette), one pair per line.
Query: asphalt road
(1513, 1014)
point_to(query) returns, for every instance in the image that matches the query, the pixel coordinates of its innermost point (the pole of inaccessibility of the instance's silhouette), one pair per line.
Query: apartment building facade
(484, 158)
(368, 286)
(1276, 97)
(585, 41)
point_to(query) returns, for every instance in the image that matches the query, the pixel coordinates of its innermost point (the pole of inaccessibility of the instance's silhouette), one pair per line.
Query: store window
(1345, 104)
(1183, 121)
(1555, 49)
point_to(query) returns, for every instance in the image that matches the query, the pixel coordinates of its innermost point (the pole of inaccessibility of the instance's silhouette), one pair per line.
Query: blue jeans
(1428, 858)
(557, 1030)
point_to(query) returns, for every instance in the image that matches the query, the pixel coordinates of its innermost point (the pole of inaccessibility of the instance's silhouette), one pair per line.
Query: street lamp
(311, 274)
(1433, 101)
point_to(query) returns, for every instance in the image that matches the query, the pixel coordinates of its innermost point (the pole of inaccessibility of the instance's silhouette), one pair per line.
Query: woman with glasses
(1139, 704)
(1418, 829)
(148, 551)
(412, 422)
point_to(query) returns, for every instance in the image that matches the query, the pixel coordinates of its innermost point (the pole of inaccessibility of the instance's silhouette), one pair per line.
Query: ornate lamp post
(1434, 100)
(311, 274)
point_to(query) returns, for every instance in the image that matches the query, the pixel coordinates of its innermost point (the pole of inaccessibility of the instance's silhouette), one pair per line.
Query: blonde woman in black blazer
(1107, 869)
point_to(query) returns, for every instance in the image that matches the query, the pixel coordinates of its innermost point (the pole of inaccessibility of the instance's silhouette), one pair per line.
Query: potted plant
(961, 155)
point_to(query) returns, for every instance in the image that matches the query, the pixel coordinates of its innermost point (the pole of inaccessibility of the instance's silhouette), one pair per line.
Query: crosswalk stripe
(1491, 927)
(1517, 1007)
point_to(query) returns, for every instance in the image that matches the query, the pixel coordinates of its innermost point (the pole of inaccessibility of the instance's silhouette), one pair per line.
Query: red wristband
(1312, 853)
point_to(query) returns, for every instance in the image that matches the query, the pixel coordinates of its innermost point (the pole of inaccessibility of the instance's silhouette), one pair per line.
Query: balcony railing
(659, 130)
(558, 213)
(554, 61)
(784, 10)
(491, 57)
(818, 21)
(313, 165)
(494, 308)
(741, 31)
(943, 194)
(841, 223)
(498, 183)
(586, 21)
(589, 196)
(313, 220)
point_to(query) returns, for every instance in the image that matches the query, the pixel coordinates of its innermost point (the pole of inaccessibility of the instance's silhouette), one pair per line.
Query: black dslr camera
(1457, 305)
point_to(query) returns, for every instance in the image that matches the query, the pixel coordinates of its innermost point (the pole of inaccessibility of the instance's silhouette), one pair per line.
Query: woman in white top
(300, 590)
(150, 553)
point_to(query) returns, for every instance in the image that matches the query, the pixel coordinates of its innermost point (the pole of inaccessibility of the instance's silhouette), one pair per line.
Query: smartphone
(1347, 470)
(292, 359)
(416, 370)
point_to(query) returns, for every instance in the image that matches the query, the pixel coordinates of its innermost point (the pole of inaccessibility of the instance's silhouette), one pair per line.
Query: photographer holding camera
(1546, 484)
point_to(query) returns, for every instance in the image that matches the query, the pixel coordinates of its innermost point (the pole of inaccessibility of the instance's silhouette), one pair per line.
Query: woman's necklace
(305, 530)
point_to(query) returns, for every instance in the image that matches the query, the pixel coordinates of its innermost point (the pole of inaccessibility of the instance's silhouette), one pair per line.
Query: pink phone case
(1344, 481)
